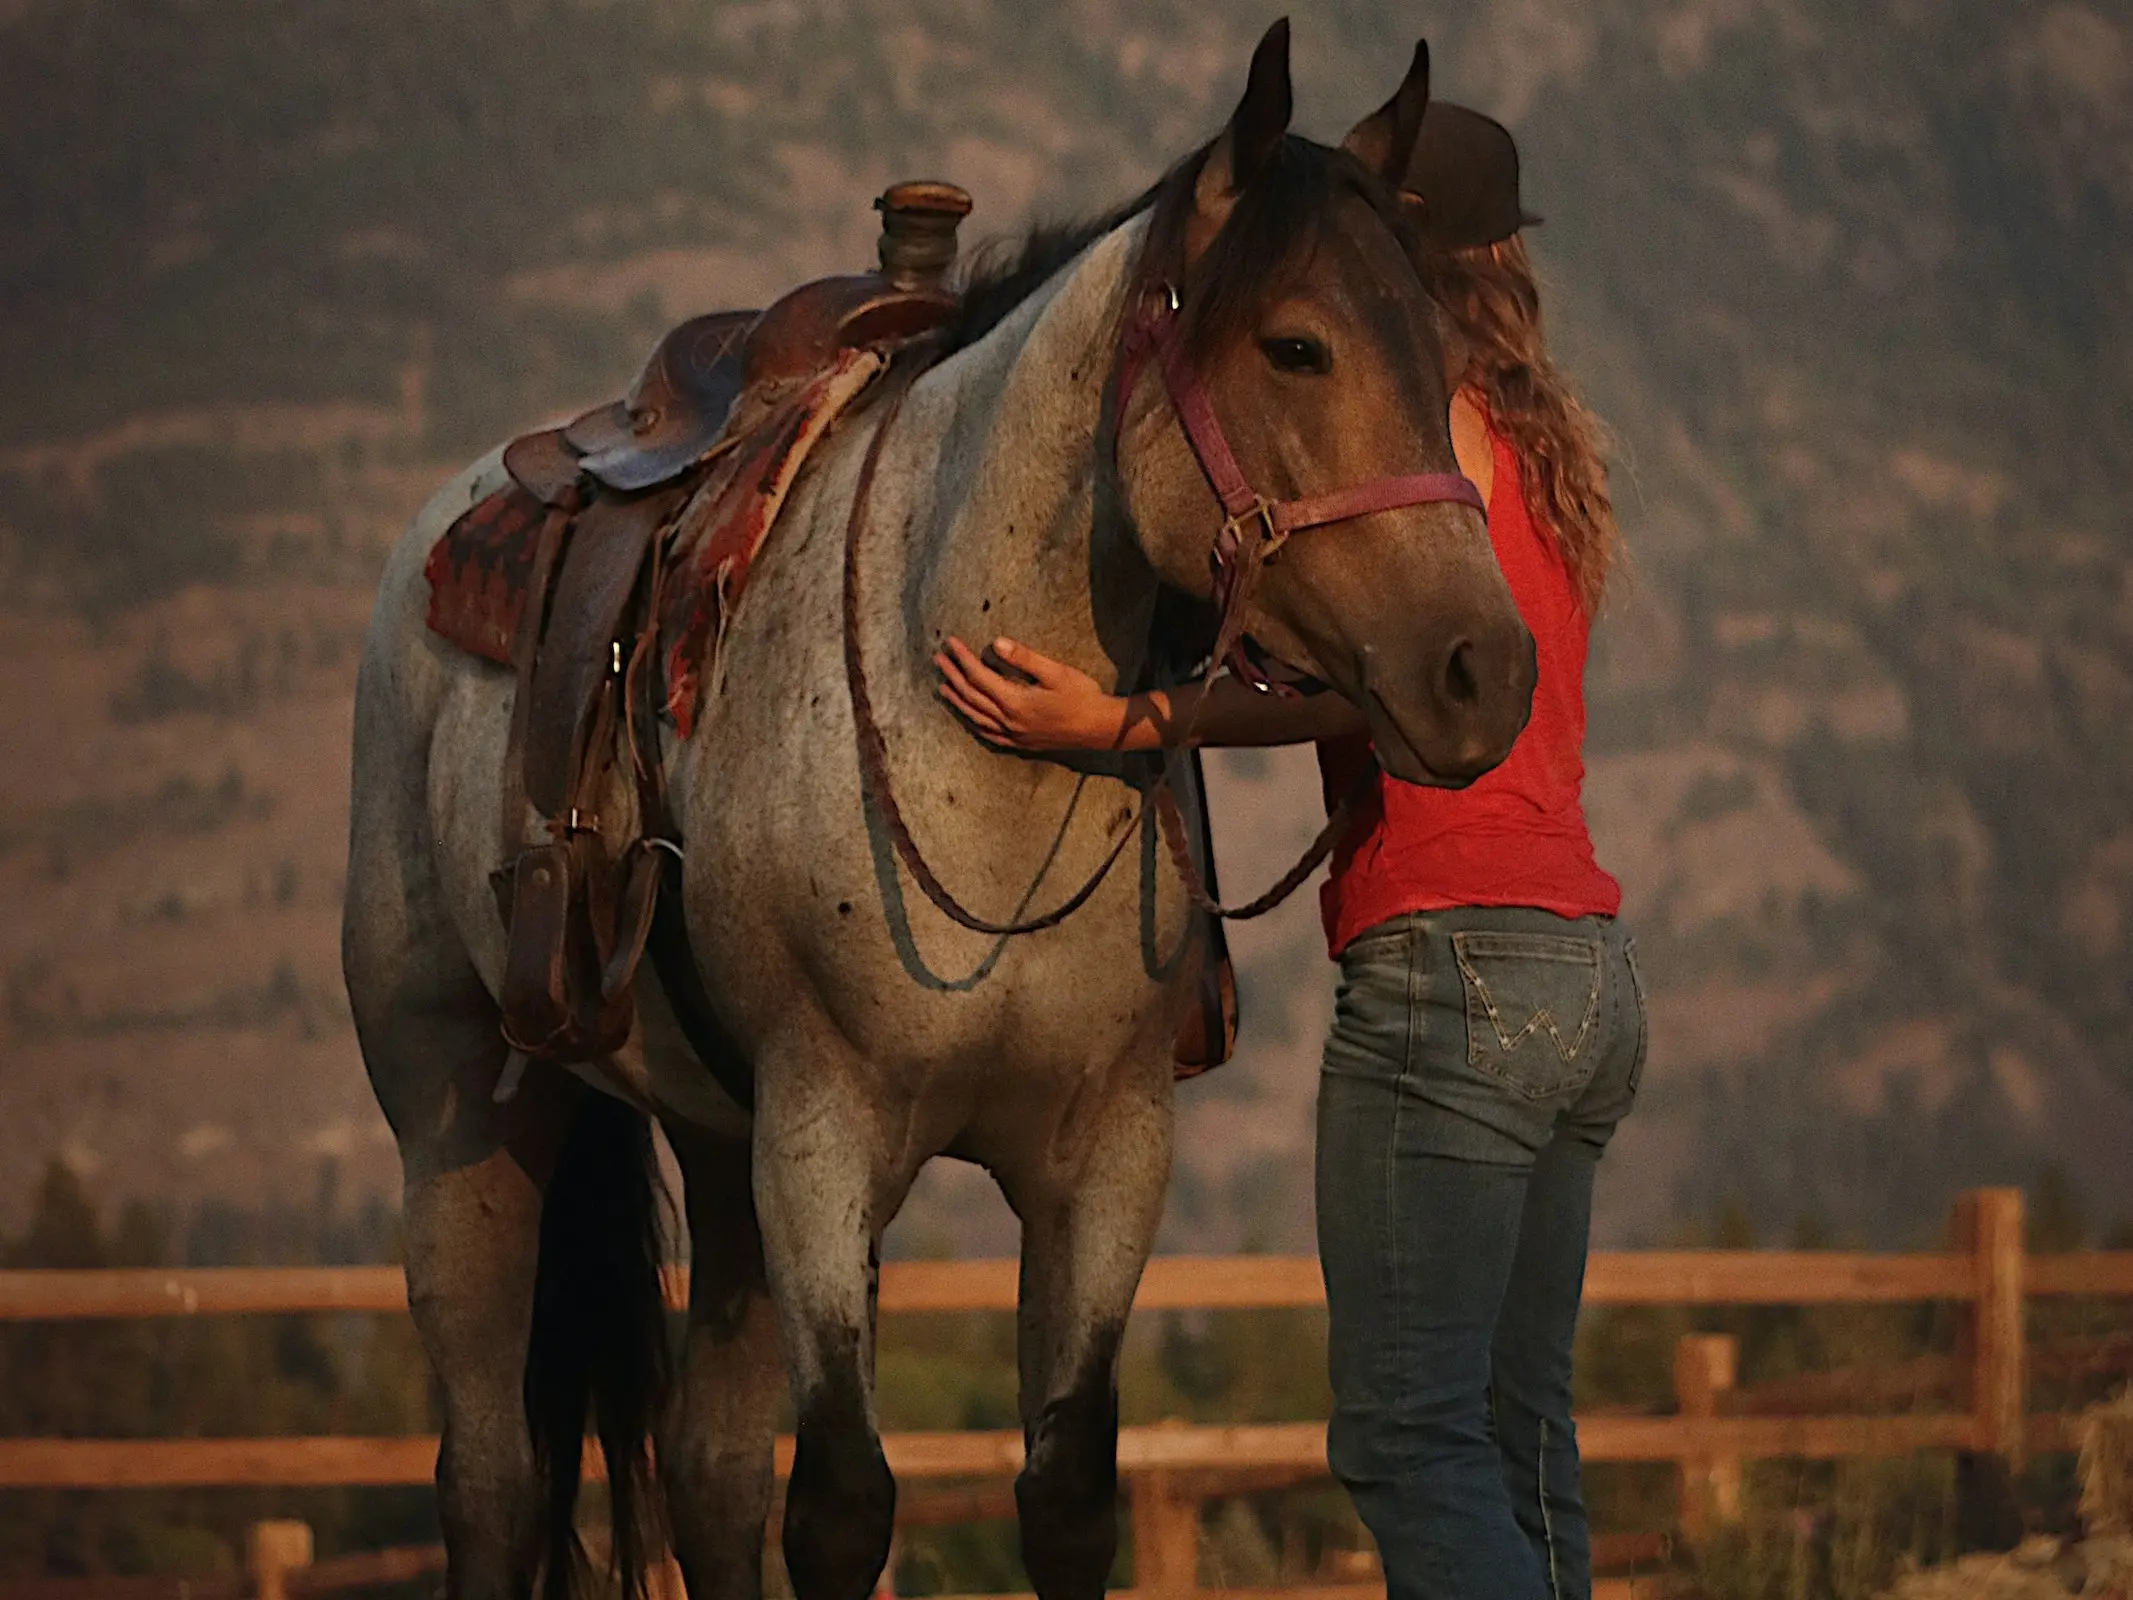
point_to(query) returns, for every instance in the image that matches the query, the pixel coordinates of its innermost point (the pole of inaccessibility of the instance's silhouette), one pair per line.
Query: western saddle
(636, 522)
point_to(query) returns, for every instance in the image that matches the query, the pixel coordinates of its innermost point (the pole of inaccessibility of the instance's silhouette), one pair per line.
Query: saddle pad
(725, 524)
(478, 572)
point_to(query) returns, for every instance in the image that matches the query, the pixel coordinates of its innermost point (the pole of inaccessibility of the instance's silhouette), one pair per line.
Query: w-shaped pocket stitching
(1532, 1008)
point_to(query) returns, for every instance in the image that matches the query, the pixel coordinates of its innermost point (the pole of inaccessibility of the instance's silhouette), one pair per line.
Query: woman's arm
(1062, 709)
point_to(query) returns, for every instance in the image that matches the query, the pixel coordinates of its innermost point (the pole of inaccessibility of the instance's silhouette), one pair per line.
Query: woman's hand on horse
(1044, 705)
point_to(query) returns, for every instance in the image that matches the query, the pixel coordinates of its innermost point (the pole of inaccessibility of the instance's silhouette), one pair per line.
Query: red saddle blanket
(480, 570)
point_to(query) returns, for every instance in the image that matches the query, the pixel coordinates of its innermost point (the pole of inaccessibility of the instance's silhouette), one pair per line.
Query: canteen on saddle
(602, 575)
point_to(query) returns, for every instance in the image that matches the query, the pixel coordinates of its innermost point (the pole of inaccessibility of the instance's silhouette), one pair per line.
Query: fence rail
(1173, 1467)
(1172, 1283)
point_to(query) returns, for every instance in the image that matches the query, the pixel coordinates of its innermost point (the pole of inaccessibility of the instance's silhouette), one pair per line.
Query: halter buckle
(1261, 511)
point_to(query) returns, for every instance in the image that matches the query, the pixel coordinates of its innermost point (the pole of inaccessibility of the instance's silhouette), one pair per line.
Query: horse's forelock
(1267, 242)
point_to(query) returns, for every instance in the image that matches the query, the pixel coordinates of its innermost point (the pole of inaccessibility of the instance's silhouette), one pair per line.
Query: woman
(1489, 1031)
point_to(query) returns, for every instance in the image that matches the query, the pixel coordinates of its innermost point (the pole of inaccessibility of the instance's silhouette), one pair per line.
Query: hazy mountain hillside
(1850, 283)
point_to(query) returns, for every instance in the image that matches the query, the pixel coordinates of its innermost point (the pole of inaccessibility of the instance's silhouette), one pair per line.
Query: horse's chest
(804, 912)
(799, 901)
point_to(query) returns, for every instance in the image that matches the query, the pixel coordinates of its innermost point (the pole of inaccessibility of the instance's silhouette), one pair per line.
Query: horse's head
(1303, 316)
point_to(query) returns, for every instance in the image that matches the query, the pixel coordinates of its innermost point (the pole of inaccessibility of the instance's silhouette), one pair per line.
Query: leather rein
(1253, 530)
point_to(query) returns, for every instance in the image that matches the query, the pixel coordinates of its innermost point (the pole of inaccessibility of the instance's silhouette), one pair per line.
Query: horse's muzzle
(1458, 716)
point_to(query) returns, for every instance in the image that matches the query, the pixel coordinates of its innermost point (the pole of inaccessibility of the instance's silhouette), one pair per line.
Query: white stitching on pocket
(1473, 946)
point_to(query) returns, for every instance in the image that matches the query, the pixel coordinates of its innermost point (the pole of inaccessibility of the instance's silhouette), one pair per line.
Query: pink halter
(1238, 555)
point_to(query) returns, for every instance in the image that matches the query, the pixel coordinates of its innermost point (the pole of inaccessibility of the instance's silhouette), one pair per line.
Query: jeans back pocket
(1532, 1008)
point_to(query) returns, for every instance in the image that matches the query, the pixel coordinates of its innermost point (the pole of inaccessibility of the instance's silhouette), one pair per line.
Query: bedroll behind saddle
(601, 575)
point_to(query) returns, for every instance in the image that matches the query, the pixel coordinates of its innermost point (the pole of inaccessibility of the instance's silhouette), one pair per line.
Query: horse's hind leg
(473, 1170)
(819, 1186)
(1088, 1220)
(715, 1449)
(473, 1244)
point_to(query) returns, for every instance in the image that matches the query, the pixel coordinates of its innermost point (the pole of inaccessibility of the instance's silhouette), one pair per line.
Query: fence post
(1988, 1224)
(1166, 1537)
(272, 1550)
(1706, 1366)
(1989, 1362)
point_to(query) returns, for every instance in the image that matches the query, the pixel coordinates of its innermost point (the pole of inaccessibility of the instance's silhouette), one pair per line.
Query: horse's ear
(1256, 128)
(1384, 141)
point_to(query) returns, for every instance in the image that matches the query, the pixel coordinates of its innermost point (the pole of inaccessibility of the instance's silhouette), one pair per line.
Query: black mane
(1267, 241)
(1004, 273)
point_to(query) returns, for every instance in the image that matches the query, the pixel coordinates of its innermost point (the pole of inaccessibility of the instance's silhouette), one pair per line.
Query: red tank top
(1516, 836)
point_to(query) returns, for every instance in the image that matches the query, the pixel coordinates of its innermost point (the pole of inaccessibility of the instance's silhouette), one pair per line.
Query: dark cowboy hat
(1464, 174)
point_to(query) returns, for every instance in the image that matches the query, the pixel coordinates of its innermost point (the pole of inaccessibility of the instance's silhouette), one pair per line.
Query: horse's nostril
(1461, 687)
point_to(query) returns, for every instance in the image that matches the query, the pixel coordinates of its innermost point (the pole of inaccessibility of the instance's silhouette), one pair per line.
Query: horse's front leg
(715, 1449)
(1089, 1214)
(821, 1196)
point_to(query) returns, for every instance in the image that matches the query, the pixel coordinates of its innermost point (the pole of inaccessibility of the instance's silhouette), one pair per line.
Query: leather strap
(1155, 331)
(1379, 494)
(1254, 528)
(657, 863)
(525, 649)
(674, 960)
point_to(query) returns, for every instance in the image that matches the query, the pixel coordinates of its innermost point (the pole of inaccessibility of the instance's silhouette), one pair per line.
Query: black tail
(599, 1343)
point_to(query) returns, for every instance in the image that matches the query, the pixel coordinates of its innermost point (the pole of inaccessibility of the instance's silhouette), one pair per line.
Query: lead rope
(1329, 838)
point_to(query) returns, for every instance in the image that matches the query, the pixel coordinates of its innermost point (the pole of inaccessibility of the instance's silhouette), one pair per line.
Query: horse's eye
(1297, 354)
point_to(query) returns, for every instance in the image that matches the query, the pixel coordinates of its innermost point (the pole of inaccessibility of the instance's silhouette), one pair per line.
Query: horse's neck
(1006, 541)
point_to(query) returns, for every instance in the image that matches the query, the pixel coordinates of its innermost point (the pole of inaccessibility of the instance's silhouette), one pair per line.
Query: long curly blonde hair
(1494, 302)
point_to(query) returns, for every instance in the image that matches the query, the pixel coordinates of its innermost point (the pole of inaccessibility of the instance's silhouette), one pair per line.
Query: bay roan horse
(879, 1033)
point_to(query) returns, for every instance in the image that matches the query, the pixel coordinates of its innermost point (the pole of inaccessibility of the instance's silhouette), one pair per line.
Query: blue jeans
(1478, 1063)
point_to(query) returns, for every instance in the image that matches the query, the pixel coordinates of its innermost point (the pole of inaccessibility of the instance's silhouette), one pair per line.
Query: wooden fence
(1173, 1468)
